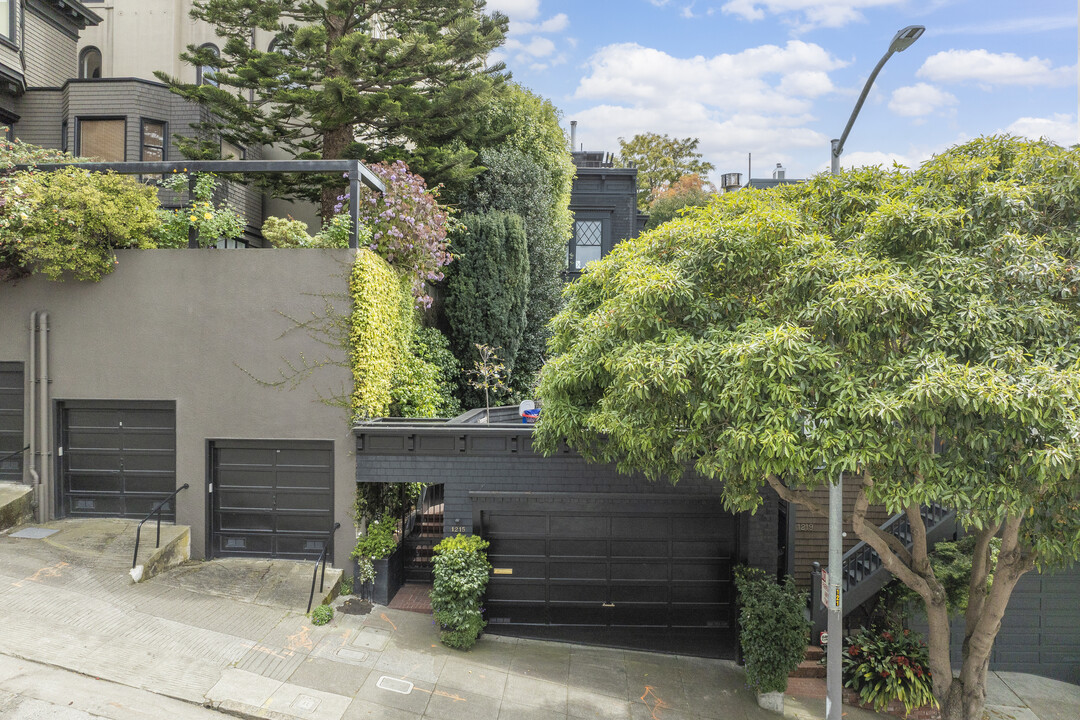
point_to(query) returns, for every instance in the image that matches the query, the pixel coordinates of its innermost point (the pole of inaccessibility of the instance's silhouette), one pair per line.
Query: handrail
(322, 559)
(17, 452)
(157, 509)
(862, 560)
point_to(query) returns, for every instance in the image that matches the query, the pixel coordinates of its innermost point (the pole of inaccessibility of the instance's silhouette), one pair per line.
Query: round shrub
(889, 665)
(322, 615)
(460, 576)
(773, 631)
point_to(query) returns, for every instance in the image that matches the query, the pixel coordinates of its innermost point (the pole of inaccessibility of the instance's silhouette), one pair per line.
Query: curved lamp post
(900, 42)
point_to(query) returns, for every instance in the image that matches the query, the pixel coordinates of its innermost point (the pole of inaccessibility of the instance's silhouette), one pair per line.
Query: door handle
(608, 605)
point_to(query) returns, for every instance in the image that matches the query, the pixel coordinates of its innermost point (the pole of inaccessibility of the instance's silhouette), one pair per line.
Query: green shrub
(460, 576)
(378, 542)
(382, 316)
(212, 222)
(889, 665)
(425, 382)
(292, 233)
(486, 289)
(773, 630)
(282, 233)
(70, 221)
(346, 587)
(322, 615)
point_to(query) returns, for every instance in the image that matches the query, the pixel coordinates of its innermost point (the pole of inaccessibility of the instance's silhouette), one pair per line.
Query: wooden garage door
(117, 459)
(635, 571)
(271, 499)
(11, 421)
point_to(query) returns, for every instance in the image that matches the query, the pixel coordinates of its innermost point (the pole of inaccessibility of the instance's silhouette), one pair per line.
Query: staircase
(426, 533)
(863, 572)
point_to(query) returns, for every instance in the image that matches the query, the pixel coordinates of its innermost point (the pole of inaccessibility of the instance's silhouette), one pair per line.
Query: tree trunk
(335, 141)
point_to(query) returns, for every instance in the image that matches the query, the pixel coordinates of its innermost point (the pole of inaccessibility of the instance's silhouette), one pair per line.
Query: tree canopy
(661, 161)
(919, 330)
(687, 191)
(381, 80)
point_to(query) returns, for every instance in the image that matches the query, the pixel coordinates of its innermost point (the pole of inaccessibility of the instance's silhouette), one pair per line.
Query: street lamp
(900, 42)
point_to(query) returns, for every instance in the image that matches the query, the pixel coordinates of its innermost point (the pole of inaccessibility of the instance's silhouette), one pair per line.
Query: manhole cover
(33, 533)
(350, 654)
(305, 703)
(394, 685)
(355, 606)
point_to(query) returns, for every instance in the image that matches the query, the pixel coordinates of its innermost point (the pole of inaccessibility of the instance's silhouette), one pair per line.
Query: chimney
(573, 136)
(778, 173)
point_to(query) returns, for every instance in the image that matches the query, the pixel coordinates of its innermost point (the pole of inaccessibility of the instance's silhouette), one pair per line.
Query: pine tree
(375, 80)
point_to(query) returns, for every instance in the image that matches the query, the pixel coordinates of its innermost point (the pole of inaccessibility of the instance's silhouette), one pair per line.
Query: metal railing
(863, 572)
(321, 560)
(13, 454)
(155, 511)
(354, 170)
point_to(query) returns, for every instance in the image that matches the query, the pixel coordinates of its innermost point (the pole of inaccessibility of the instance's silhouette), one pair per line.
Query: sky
(761, 82)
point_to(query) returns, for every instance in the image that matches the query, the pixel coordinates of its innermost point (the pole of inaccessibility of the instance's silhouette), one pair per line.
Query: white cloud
(729, 83)
(919, 99)
(806, 83)
(555, 24)
(1013, 26)
(1058, 128)
(537, 47)
(806, 13)
(987, 68)
(515, 9)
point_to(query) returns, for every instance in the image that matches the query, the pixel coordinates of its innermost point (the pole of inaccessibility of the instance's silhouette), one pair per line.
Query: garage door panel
(579, 526)
(700, 526)
(301, 479)
(147, 418)
(288, 500)
(640, 570)
(243, 500)
(94, 505)
(226, 456)
(700, 572)
(147, 482)
(640, 548)
(517, 591)
(573, 613)
(641, 527)
(577, 569)
(498, 524)
(522, 568)
(518, 546)
(577, 548)
(696, 593)
(690, 616)
(518, 613)
(95, 482)
(248, 544)
(244, 477)
(165, 442)
(642, 615)
(578, 592)
(235, 522)
(86, 461)
(162, 463)
(302, 522)
(299, 546)
(298, 457)
(701, 548)
(91, 439)
(88, 418)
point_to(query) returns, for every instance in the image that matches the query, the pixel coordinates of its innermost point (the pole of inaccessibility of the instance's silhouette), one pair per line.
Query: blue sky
(778, 78)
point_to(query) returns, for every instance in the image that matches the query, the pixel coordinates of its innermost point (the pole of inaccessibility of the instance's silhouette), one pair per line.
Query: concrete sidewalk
(207, 635)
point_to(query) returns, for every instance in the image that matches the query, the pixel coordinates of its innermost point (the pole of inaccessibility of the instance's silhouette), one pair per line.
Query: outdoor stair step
(815, 653)
(808, 669)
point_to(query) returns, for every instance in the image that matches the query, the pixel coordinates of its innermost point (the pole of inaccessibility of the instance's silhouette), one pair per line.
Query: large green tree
(661, 161)
(486, 290)
(529, 172)
(918, 330)
(375, 80)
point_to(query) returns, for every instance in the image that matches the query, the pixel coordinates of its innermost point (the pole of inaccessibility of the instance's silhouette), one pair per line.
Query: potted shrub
(889, 669)
(773, 633)
(378, 571)
(460, 576)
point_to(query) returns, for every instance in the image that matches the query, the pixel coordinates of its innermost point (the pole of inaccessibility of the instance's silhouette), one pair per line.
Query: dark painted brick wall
(563, 473)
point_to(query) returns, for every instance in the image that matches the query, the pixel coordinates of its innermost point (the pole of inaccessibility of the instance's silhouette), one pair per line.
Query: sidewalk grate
(394, 685)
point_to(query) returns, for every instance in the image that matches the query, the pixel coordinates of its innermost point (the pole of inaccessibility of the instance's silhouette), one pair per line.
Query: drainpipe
(33, 413)
(43, 408)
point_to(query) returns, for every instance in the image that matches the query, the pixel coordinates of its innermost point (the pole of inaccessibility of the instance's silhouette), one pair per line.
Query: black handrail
(322, 559)
(157, 510)
(17, 452)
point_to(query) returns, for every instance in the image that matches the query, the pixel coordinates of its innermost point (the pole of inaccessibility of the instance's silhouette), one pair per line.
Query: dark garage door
(117, 459)
(271, 499)
(623, 570)
(11, 421)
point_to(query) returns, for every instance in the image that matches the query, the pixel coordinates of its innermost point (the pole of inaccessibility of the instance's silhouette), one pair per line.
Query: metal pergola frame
(353, 169)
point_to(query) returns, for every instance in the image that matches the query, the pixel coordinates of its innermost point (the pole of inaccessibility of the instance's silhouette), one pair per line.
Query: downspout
(43, 408)
(32, 469)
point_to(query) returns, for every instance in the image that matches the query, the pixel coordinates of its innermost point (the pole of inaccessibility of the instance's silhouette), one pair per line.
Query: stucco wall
(185, 325)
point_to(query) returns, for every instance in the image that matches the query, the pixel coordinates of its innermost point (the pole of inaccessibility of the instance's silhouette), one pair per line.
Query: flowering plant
(888, 665)
(408, 226)
(211, 221)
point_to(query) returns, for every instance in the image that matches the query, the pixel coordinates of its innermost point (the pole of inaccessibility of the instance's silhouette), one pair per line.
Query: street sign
(824, 638)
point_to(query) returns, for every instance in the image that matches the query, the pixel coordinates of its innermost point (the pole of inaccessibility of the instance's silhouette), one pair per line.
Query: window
(204, 74)
(7, 19)
(101, 139)
(230, 244)
(588, 243)
(152, 141)
(64, 136)
(89, 63)
(229, 151)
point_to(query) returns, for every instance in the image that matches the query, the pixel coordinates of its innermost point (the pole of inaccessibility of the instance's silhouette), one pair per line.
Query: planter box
(389, 577)
(895, 708)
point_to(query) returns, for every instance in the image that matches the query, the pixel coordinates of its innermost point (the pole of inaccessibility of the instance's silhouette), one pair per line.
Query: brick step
(808, 669)
(814, 652)
(417, 575)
